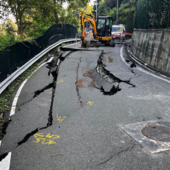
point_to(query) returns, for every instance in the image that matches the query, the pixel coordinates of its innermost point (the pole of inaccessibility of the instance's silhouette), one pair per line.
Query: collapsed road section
(103, 79)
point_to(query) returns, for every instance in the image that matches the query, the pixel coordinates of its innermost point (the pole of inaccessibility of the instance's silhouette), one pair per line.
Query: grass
(7, 96)
(5, 102)
(65, 44)
(56, 50)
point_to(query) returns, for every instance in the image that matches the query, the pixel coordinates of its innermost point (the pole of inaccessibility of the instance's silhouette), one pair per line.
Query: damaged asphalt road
(24, 122)
(72, 120)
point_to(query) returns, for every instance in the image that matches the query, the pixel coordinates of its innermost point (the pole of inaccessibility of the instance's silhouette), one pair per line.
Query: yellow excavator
(101, 30)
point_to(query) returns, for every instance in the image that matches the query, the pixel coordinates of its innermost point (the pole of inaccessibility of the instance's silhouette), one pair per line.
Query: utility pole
(117, 20)
(96, 9)
(79, 21)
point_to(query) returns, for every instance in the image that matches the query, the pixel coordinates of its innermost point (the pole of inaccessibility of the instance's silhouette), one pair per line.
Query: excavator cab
(104, 26)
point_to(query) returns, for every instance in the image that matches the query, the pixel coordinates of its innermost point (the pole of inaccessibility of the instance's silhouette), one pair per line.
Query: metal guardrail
(4, 84)
(147, 65)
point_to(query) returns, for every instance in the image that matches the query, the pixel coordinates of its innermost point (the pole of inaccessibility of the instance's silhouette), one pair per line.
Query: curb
(147, 65)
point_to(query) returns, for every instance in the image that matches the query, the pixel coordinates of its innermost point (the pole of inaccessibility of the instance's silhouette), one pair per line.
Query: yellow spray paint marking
(100, 79)
(39, 135)
(61, 81)
(45, 140)
(60, 118)
(48, 142)
(116, 73)
(90, 103)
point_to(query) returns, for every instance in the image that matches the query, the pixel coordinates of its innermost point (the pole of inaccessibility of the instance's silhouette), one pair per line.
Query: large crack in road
(78, 83)
(50, 117)
(120, 151)
(100, 70)
(108, 77)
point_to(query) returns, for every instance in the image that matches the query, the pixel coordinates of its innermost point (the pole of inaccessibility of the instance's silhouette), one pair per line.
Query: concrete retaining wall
(153, 47)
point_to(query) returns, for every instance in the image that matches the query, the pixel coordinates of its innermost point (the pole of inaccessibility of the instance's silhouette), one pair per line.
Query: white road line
(13, 108)
(5, 163)
(50, 60)
(12, 112)
(153, 75)
(140, 69)
(121, 56)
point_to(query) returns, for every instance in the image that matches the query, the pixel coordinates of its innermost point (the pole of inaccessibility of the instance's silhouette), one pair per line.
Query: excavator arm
(91, 20)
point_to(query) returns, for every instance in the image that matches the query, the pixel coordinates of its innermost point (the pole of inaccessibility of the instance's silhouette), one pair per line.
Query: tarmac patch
(110, 59)
(79, 83)
(153, 135)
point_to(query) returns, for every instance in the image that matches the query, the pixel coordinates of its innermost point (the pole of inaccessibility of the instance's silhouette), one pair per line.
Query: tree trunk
(20, 25)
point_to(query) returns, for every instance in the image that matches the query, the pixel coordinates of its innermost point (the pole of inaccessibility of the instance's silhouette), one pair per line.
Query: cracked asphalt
(73, 124)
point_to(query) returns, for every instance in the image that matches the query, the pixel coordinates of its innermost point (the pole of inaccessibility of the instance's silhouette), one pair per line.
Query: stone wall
(153, 47)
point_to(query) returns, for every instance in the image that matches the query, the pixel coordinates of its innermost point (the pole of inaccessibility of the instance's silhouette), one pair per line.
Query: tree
(2, 30)
(4, 10)
(74, 10)
(87, 9)
(18, 9)
(103, 8)
(11, 26)
(33, 17)
(127, 9)
(153, 14)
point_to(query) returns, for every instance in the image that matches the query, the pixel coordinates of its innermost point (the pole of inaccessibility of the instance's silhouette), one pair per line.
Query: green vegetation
(142, 14)
(5, 102)
(126, 11)
(7, 95)
(153, 14)
(7, 40)
(7, 37)
(34, 17)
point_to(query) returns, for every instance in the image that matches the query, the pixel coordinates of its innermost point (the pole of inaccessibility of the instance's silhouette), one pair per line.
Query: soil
(89, 74)
(79, 83)
(91, 84)
(110, 59)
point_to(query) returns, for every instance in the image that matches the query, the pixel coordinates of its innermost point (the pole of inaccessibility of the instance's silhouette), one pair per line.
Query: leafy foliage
(153, 14)
(126, 11)
(4, 10)
(11, 26)
(34, 17)
(7, 40)
(87, 10)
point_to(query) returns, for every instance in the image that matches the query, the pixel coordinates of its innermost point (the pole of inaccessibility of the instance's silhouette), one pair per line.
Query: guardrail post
(8, 87)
